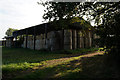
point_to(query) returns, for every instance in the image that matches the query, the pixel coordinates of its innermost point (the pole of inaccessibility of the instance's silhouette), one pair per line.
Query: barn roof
(38, 29)
(42, 28)
(8, 37)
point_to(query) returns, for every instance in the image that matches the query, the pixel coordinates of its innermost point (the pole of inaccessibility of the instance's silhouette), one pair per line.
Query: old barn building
(46, 36)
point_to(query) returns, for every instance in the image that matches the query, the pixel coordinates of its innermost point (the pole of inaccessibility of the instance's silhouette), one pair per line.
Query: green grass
(20, 55)
(15, 59)
(77, 51)
(26, 63)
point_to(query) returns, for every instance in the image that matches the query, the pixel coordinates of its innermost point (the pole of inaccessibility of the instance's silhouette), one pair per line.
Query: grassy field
(79, 63)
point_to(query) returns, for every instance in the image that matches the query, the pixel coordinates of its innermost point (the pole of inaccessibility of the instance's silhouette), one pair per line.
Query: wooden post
(78, 38)
(67, 39)
(81, 39)
(46, 45)
(34, 37)
(74, 45)
(62, 45)
(84, 46)
(90, 39)
(26, 39)
(5, 43)
(15, 41)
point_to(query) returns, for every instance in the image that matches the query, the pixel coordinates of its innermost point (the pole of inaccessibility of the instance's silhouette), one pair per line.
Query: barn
(47, 36)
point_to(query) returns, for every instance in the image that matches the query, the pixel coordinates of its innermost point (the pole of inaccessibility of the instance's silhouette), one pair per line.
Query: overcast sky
(19, 14)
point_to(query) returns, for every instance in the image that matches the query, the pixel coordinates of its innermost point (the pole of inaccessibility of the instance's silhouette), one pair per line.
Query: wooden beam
(62, 45)
(5, 43)
(74, 45)
(26, 38)
(78, 39)
(34, 37)
(46, 35)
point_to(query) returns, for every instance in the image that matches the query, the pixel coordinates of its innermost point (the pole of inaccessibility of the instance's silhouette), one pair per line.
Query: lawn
(79, 63)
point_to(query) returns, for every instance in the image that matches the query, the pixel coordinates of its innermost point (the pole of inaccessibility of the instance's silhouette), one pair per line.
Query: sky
(19, 14)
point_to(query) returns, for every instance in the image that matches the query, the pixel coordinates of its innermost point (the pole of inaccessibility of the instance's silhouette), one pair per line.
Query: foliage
(62, 14)
(58, 11)
(83, 23)
(10, 31)
(60, 24)
(106, 17)
(68, 23)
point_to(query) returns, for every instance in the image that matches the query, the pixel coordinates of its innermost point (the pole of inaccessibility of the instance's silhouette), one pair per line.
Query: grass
(26, 63)
(20, 55)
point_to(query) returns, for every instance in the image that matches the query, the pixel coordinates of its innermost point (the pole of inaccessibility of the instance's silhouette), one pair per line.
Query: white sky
(19, 14)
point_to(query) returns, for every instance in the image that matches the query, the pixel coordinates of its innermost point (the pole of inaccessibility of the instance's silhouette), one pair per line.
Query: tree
(10, 31)
(61, 13)
(107, 20)
(105, 14)
(58, 11)
(109, 29)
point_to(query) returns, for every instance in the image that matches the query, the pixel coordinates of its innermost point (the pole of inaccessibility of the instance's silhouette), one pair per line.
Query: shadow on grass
(21, 55)
(92, 67)
(22, 59)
